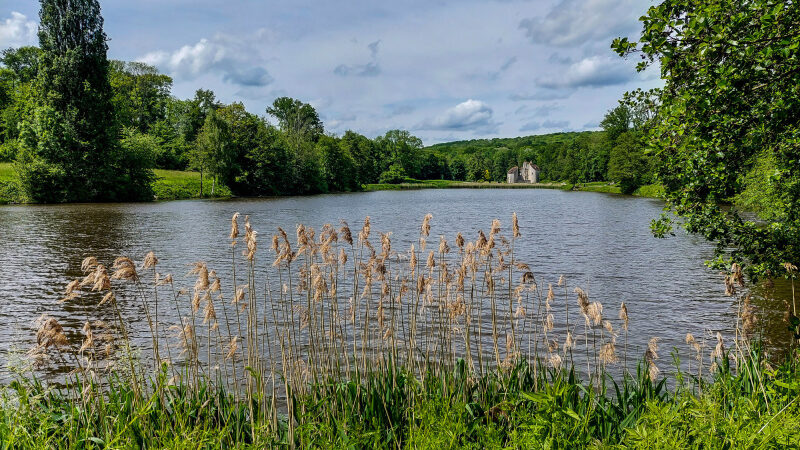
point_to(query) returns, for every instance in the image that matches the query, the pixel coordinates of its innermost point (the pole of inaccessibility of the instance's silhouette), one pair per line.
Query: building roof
(513, 169)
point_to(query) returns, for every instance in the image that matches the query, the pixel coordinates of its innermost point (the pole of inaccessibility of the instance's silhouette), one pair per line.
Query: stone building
(528, 173)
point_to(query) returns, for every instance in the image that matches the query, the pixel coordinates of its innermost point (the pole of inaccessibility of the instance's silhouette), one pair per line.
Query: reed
(341, 340)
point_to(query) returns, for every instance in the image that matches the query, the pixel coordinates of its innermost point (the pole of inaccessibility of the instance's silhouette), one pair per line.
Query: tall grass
(337, 339)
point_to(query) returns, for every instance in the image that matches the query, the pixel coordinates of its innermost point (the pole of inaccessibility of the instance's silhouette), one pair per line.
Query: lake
(599, 242)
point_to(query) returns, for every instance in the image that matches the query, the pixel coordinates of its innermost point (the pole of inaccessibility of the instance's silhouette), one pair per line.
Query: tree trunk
(213, 185)
(201, 183)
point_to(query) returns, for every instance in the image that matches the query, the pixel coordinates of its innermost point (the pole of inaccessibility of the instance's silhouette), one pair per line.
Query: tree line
(80, 127)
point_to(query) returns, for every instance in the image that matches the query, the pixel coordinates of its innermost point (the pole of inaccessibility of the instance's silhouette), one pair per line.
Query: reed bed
(335, 338)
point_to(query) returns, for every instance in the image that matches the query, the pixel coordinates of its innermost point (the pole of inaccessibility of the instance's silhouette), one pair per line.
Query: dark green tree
(401, 147)
(141, 94)
(628, 165)
(23, 61)
(366, 157)
(731, 72)
(71, 151)
(298, 120)
(338, 167)
(211, 149)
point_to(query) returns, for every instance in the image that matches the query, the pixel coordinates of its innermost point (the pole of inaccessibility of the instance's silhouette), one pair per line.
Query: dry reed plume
(329, 305)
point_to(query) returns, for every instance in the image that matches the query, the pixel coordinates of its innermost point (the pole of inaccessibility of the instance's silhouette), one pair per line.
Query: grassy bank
(7, 189)
(169, 185)
(177, 184)
(513, 409)
(362, 347)
(652, 190)
(649, 190)
(449, 184)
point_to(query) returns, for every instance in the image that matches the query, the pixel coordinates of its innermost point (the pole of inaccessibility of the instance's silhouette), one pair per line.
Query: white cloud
(574, 22)
(17, 31)
(595, 71)
(469, 115)
(237, 60)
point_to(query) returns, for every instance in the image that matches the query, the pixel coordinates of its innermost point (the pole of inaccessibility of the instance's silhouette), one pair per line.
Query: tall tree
(730, 106)
(70, 150)
(298, 120)
(141, 94)
(211, 148)
(401, 147)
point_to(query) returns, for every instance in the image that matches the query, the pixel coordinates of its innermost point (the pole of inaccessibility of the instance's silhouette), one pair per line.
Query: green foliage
(574, 157)
(69, 146)
(393, 175)
(141, 94)
(729, 104)
(300, 121)
(754, 407)
(139, 153)
(212, 150)
(338, 166)
(628, 166)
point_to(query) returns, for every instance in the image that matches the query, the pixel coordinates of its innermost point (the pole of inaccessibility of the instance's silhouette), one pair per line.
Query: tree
(298, 120)
(266, 166)
(23, 61)
(211, 148)
(393, 175)
(139, 155)
(401, 147)
(628, 165)
(140, 94)
(71, 150)
(366, 157)
(337, 165)
(729, 102)
(617, 121)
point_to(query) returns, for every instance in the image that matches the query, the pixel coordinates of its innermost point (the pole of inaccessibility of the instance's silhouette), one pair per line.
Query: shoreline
(185, 185)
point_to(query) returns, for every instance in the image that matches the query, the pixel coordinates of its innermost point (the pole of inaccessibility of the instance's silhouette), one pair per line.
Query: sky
(444, 70)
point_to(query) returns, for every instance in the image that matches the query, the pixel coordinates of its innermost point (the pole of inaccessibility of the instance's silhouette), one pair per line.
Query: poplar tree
(70, 147)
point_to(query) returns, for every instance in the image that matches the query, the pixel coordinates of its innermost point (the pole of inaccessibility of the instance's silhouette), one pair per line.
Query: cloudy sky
(446, 70)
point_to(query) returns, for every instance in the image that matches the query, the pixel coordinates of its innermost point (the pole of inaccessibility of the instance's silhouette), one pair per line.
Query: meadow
(352, 343)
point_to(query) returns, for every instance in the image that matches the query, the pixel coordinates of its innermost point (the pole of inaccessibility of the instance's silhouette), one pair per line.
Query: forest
(138, 125)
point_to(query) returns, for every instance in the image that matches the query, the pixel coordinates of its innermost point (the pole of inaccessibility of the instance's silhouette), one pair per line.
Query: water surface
(600, 242)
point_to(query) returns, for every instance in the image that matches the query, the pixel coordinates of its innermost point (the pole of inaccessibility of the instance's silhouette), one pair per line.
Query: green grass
(756, 407)
(411, 184)
(177, 184)
(649, 190)
(7, 187)
(6, 171)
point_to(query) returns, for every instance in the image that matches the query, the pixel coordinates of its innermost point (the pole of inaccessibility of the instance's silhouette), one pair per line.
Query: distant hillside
(571, 156)
(533, 141)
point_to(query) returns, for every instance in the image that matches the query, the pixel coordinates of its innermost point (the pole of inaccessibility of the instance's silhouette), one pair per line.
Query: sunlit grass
(177, 184)
(6, 171)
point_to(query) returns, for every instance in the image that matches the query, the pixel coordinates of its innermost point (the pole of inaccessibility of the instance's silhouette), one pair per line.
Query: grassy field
(177, 184)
